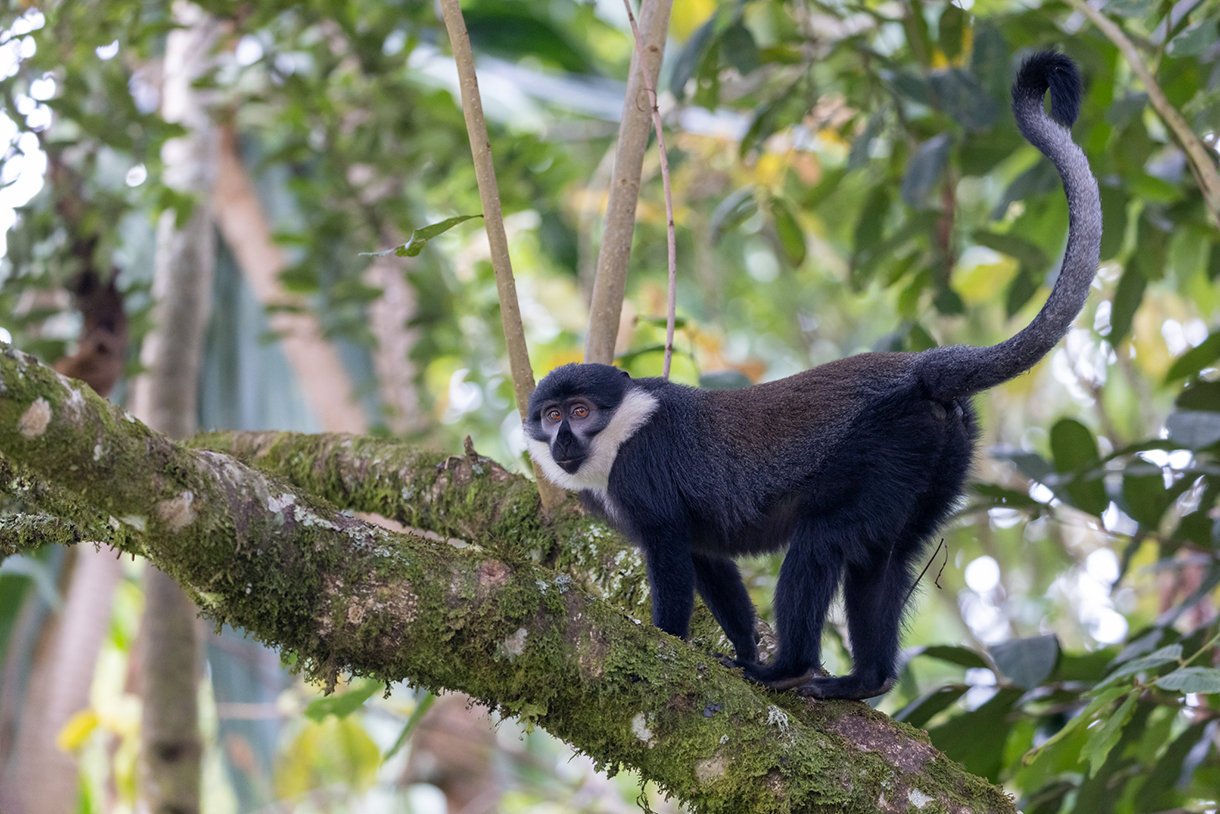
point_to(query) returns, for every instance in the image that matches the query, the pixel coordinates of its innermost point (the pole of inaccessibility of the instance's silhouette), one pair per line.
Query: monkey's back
(749, 462)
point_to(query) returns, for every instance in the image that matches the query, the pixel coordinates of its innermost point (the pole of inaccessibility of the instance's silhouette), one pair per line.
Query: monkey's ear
(625, 373)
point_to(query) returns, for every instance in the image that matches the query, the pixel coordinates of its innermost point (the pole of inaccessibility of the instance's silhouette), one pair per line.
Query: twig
(931, 560)
(610, 283)
(1197, 156)
(489, 193)
(671, 242)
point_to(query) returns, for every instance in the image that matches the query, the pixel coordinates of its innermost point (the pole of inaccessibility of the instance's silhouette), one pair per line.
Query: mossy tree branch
(468, 497)
(345, 596)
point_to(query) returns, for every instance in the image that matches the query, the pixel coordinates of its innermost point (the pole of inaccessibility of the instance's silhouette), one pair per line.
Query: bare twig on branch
(641, 62)
(485, 172)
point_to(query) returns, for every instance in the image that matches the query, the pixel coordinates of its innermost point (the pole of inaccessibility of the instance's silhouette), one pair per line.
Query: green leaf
(1009, 498)
(1194, 39)
(924, 708)
(1200, 395)
(925, 168)
(761, 126)
(740, 49)
(917, 31)
(420, 237)
(990, 60)
(1191, 679)
(1029, 254)
(1195, 359)
(1020, 291)
(1031, 464)
(1144, 644)
(736, 207)
(857, 157)
(707, 78)
(1126, 300)
(1074, 449)
(344, 704)
(959, 94)
(1145, 494)
(421, 709)
(1114, 202)
(1130, 8)
(1153, 242)
(1157, 793)
(1193, 429)
(1039, 179)
(954, 654)
(1027, 661)
(1031, 259)
(978, 739)
(912, 86)
(1104, 699)
(952, 25)
(869, 227)
(1168, 653)
(791, 237)
(513, 30)
(1104, 737)
(689, 58)
(919, 339)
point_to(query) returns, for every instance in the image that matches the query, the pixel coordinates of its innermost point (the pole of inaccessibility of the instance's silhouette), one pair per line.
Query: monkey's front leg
(671, 574)
(719, 583)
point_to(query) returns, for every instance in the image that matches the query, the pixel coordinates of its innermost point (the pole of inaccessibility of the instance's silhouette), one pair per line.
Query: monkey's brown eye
(580, 411)
(553, 414)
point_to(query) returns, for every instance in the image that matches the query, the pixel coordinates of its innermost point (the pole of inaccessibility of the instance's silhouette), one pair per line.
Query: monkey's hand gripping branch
(346, 596)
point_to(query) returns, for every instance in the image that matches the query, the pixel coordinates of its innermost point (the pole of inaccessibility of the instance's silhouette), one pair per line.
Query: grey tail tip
(1050, 70)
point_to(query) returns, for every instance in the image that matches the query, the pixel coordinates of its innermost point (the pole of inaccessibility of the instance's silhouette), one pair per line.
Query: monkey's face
(569, 426)
(578, 417)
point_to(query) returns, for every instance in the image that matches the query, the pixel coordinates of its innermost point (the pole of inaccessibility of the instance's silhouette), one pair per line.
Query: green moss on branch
(469, 497)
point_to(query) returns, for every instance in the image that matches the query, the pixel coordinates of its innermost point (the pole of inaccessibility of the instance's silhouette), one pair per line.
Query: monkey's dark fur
(853, 465)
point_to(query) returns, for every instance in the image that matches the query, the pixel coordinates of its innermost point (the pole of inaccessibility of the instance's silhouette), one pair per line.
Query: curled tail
(960, 370)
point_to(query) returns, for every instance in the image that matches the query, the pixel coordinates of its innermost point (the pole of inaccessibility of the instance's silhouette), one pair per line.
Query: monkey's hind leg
(873, 595)
(807, 583)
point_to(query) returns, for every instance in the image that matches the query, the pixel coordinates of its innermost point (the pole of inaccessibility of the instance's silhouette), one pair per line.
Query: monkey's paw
(777, 676)
(850, 687)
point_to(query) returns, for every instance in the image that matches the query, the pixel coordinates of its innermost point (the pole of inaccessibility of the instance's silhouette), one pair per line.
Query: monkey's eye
(553, 414)
(580, 411)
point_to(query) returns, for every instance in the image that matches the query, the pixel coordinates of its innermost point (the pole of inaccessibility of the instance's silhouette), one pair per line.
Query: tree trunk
(44, 778)
(165, 397)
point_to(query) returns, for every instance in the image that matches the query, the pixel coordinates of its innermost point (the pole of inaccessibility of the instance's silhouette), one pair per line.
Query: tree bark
(344, 596)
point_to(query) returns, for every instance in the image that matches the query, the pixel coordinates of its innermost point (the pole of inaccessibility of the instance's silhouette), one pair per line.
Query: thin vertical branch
(480, 147)
(669, 197)
(611, 281)
(165, 398)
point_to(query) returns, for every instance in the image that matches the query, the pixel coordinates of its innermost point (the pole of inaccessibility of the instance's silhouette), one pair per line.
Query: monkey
(852, 465)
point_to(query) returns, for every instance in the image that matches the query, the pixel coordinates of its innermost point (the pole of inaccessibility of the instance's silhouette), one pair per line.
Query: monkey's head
(572, 405)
